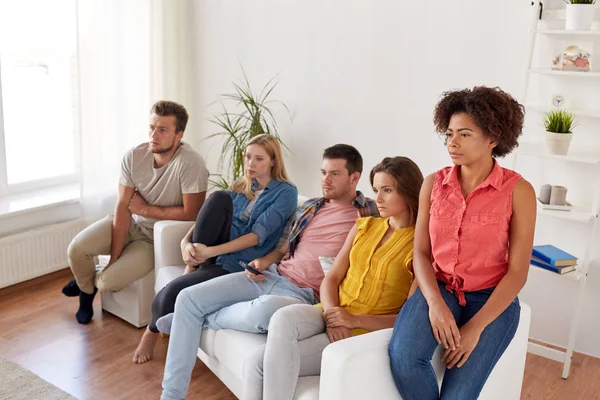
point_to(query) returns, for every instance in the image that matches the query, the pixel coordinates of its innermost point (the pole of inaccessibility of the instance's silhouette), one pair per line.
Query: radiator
(37, 252)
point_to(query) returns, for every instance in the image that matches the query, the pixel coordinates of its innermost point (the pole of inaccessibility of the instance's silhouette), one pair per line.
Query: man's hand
(110, 262)
(254, 277)
(339, 333)
(469, 338)
(337, 317)
(137, 204)
(260, 263)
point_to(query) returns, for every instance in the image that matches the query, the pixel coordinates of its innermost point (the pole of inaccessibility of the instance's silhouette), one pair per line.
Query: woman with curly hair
(473, 241)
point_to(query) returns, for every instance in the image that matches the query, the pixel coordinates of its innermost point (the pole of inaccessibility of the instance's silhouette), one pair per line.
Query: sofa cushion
(207, 342)
(234, 348)
(165, 275)
(307, 388)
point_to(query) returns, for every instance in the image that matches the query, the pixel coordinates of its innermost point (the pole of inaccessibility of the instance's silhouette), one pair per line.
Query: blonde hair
(271, 145)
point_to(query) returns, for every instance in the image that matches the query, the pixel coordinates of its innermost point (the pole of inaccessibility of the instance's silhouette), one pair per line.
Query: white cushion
(207, 342)
(233, 348)
(165, 275)
(307, 388)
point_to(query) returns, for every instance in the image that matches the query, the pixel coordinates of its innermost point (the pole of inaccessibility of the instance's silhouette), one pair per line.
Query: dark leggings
(213, 226)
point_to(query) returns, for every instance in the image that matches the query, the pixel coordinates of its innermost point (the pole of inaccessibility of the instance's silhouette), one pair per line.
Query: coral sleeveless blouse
(470, 237)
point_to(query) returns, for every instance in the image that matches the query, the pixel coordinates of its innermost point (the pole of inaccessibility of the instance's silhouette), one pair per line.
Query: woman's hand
(203, 251)
(337, 317)
(469, 338)
(444, 326)
(339, 333)
(189, 269)
(189, 254)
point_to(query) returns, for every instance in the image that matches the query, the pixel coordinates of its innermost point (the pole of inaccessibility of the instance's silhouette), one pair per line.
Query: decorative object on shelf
(558, 124)
(580, 14)
(559, 270)
(573, 58)
(558, 196)
(553, 255)
(554, 198)
(545, 192)
(567, 207)
(558, 101)
(255, 117)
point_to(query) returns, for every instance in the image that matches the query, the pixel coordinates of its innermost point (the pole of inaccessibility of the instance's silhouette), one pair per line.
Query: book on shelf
(559, 270)
(553, 255)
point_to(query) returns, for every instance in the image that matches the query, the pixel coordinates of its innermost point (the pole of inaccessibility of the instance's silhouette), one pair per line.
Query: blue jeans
(228, 302)
(413, 344)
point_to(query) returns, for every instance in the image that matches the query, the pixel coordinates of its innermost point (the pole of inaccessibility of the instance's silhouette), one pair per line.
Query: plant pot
(579, 16)
(558, 143)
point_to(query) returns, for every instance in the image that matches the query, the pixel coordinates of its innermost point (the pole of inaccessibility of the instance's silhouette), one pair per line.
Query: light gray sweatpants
(295, 343)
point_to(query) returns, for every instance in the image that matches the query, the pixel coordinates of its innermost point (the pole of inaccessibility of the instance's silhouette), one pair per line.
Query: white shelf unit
(580, 112)
(548, 71)
(586, 215)
(562, 32)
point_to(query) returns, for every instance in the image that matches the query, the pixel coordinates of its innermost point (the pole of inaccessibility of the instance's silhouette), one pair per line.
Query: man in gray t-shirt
(164, 179)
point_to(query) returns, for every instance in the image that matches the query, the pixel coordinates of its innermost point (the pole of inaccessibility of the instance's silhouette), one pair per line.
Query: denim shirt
(269, 215)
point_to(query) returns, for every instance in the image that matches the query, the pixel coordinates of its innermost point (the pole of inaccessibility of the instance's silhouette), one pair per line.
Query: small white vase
(558, 143)
(579, 17)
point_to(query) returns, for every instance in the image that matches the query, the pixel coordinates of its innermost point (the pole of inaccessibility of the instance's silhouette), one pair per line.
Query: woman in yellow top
(369, 281)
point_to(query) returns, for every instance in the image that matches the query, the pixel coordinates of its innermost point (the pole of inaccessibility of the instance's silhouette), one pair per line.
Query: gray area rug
(18, 383)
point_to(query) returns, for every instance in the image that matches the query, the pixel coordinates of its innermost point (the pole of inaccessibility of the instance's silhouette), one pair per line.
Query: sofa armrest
(167, 237)
(358, 368)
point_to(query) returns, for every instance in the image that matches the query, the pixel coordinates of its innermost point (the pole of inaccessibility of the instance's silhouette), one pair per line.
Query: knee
(75, 249)
(108, 284)
(402, 360)
(184, 299)
(281, 321)
(220, 197)
(261, 313)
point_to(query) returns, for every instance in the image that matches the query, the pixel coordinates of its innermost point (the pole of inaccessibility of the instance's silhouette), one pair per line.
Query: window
(39, 95)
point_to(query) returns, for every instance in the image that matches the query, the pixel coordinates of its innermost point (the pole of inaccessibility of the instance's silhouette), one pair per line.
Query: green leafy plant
(559, 121)
(580, 1)
(254, 117)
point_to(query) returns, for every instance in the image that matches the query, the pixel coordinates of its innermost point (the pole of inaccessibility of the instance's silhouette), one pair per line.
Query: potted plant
(253, 117)
(559, 124)
(579, 15)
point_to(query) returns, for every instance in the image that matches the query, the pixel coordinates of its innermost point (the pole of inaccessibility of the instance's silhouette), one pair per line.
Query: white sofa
(355, 368)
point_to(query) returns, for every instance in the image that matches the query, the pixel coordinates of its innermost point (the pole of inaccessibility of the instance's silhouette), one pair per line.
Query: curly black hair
(496, 112)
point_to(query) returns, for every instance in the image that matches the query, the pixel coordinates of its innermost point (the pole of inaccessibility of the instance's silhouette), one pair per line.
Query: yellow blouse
(378, 279)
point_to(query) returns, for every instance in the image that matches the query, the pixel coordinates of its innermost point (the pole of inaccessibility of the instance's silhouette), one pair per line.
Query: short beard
(164, 150)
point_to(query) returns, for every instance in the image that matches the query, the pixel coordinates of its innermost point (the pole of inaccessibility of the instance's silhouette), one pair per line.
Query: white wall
(369, 73)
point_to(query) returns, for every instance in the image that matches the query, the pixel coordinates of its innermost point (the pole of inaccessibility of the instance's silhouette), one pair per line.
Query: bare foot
(145, 349)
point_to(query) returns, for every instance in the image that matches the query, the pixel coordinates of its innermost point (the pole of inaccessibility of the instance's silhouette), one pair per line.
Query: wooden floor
(38, 331)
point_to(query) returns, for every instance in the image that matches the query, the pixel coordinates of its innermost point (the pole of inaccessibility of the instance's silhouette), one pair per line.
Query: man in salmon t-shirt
(291, 274)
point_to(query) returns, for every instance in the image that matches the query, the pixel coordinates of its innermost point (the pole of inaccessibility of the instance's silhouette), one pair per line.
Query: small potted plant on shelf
(580, 14)
(559, 124)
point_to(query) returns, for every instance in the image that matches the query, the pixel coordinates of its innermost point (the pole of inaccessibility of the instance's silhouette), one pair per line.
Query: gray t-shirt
(248, 210)
(165, 186)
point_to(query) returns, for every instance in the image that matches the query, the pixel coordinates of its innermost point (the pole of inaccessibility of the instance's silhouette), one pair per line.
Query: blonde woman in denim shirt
(239, 224)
